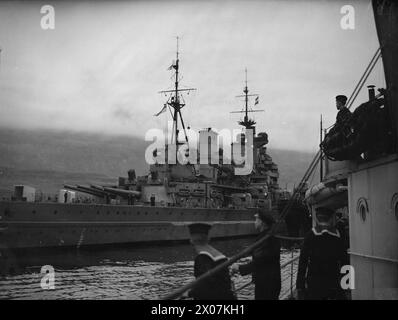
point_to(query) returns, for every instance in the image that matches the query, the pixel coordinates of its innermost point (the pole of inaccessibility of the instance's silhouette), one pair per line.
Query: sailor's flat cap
(323, 211)
(202, 228)
(265, 217)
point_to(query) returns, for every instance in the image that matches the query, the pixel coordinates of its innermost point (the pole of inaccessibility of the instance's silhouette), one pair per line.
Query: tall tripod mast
(175, 101)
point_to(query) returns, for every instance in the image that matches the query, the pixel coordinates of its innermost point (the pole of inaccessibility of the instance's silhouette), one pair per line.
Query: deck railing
(288, 275)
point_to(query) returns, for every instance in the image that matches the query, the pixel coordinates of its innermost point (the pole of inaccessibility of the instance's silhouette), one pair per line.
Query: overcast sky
(102, 66)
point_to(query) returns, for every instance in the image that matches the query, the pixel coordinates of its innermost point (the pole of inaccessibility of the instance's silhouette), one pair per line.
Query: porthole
(396, 210)
(362, 209)
(98, 212)
(362, 212)
(34, 211)
(55, 212)
(394, 205)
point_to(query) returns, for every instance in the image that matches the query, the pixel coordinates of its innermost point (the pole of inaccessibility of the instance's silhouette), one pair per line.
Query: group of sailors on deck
(322, 255)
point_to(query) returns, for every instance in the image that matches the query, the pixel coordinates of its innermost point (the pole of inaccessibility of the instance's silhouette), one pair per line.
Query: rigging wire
(362, 80)
(364, 77)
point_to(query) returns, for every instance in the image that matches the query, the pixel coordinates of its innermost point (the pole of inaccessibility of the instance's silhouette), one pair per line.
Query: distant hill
(47, 181)
(292, 166)
(71, 152)
(47, 159)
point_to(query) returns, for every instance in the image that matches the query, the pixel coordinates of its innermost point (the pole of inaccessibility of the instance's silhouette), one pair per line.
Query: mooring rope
(290, 261)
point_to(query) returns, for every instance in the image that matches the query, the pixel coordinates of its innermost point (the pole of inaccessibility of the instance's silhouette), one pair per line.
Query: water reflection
(117, 272)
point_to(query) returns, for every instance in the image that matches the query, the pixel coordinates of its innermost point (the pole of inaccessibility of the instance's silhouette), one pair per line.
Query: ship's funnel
(131, 175)
(371, 91)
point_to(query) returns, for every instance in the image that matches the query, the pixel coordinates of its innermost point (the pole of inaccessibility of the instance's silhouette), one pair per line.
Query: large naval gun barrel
(85, 190)
(100, 193)
(120, 192)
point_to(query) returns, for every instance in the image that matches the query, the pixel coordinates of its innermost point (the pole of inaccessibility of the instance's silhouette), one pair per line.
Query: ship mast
(176, 102)
(246, 122)
(246, 91)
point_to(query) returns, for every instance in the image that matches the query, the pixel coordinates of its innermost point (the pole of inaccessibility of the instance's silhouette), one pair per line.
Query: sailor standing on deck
(343, 113)
(218, 286)
(321, 257)
(265, 265)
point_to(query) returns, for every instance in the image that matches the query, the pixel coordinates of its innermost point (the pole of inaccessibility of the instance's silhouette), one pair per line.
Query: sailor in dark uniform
(343, 113)
(218, 286)
(337, 135)
(322, 255)
(265, 265)
(298, 219)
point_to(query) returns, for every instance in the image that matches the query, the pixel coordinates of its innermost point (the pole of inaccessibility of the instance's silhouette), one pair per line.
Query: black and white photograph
(207, 152)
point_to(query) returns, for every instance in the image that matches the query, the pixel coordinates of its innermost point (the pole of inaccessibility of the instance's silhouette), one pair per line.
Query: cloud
(100, 70)
(122, 114)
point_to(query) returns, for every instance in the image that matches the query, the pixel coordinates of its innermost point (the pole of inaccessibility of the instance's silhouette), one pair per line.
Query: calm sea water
(133, 272)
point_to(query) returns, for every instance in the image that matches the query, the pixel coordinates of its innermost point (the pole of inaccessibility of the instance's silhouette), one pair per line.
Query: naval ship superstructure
(361, 172)
(156, 207)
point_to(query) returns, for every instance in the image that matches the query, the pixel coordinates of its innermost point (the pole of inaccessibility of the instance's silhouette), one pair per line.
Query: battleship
(156, 207)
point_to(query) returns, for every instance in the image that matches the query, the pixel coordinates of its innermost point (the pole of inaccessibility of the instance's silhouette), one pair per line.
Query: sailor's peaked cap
(341, 98)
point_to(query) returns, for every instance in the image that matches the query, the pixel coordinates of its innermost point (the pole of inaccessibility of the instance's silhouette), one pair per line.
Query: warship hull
(41, 225)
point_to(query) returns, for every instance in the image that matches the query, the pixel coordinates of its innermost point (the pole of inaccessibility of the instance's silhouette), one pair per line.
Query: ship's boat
(152, 208)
